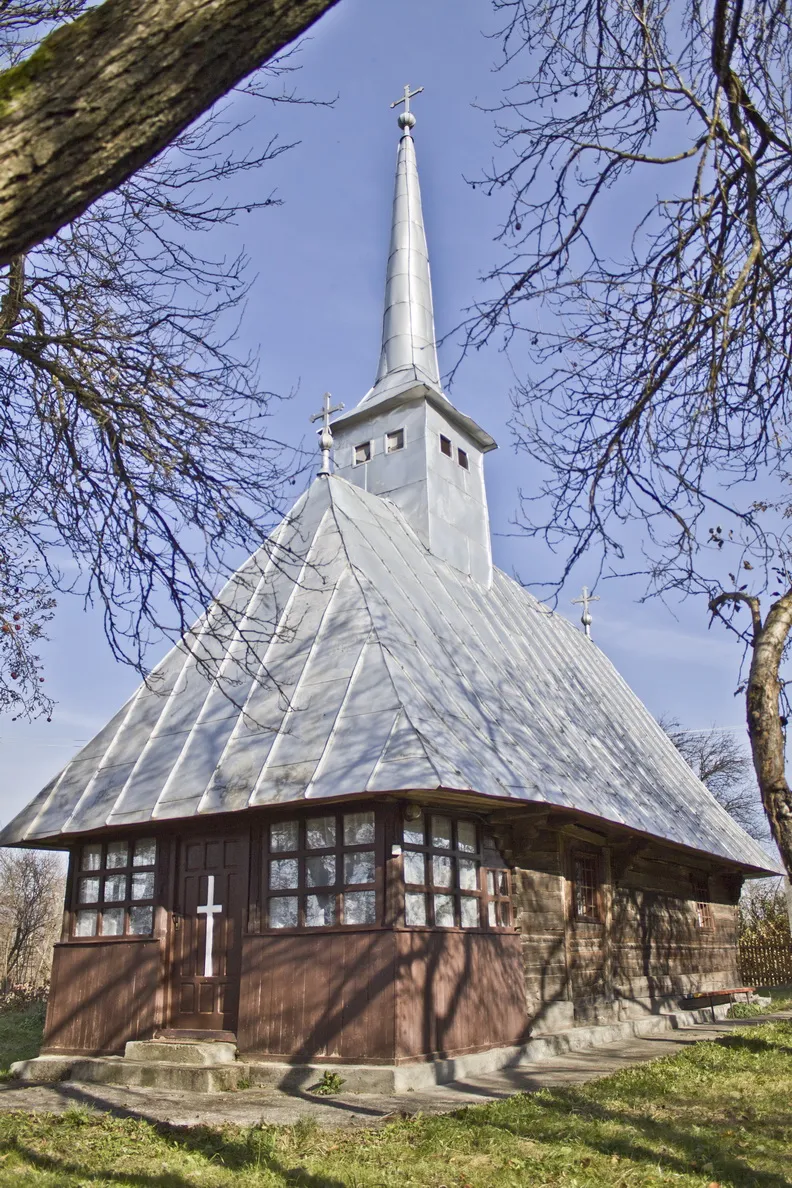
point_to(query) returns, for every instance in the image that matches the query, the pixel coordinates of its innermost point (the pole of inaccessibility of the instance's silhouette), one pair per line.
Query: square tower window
(394, 441)
(362, 452)
(445, 446)
(462, 459)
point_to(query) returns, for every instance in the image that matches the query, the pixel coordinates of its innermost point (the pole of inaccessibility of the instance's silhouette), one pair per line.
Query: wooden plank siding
(103, 995)
(457, 992)
(318, 996)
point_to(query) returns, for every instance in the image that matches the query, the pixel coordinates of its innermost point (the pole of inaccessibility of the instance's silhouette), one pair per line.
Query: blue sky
(314, 316)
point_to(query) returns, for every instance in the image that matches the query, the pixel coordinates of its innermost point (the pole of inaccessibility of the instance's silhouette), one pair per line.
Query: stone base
(155, 1070)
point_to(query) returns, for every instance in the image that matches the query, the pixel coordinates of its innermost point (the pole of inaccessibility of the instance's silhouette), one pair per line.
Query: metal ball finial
(406, 120)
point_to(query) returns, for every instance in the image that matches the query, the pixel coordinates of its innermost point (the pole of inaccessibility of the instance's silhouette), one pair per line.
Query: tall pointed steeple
(409, 350)
(405, 440)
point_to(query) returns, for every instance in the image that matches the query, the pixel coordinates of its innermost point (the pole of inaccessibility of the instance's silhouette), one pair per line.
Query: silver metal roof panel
(382, 669)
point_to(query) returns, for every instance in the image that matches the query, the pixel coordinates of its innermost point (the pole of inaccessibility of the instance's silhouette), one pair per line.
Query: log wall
(647, 948)
(102, 995)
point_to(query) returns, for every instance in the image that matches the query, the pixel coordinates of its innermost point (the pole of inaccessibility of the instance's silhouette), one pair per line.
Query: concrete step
(180, 1052)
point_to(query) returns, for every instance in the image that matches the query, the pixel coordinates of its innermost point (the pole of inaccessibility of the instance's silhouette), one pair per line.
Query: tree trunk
(104, 94)
(765, 727)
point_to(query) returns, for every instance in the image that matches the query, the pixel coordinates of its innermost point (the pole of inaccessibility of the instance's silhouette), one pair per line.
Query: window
(586, 886)
(114, 890)
(702, 899)
(462, 459)
(445, 446)
(443, 863)
(362, 452)
(321, 871)
(394, 441)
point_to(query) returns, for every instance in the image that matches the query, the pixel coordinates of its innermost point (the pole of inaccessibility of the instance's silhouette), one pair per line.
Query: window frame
(397, 436)
(700, 895)
(462, 458)
(339, 889)
(446, 441)
(100, 905)
(363, 445)
(593, 859)
(504, 905)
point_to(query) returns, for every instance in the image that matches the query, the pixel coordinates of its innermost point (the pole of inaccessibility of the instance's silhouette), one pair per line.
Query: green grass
(20, 1035)
(719, 1112)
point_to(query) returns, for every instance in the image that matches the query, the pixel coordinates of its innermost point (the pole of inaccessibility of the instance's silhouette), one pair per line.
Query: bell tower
(405, 440)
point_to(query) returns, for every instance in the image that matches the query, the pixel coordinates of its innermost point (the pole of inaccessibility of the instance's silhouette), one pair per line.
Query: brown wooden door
(207, 932)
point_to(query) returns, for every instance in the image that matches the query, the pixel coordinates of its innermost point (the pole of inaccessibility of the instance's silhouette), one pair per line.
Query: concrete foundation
(211, 1068)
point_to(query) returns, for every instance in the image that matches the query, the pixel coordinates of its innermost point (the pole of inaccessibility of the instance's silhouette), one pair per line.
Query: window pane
(469, 911)
(91, 858)
(117, 854)
(115, 888)
(413, 867)
(468, 874)
(141, 920)
(113, 922)
(283, 912)
(320, 872)
(143, 885)
(88, 892)
(444, 911)
(492, 914)
(415, 909)
(320, 833)
(358, 867)
(502, 882)
(145, 852)
(358, 829)
(441, 833)
(319, 910)
(283, 874)
(359, 907)
(442, 872)
(414, 832)
(85, 924)
(466, 836)
(490, 882)
(283, 836)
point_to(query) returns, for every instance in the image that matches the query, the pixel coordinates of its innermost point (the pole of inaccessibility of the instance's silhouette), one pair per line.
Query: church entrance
(207, 933)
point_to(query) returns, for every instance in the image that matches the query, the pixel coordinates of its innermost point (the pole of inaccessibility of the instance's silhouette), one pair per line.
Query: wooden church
(430, 820)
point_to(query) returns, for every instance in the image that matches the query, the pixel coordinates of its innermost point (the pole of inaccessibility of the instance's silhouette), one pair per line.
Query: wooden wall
(457, 992)
(647, 947)
(103, 994)
(318, 996)
(381, 996)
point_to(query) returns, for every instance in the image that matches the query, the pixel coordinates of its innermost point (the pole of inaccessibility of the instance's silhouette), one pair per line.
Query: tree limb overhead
(104, 94)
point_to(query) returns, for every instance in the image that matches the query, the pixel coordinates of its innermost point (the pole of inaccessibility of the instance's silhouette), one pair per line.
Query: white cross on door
(210, 910)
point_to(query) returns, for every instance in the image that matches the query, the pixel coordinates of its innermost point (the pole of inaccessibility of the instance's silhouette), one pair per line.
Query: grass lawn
(20, 1035)
(718, 1113)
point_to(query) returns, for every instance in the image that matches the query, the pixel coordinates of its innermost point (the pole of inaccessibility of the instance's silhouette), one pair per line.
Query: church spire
(409, 350)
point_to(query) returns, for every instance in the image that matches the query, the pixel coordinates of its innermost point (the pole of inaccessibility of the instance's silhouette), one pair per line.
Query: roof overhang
(411, 391)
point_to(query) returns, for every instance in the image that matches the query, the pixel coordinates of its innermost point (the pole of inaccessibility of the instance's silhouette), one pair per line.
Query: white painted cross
(210, 910)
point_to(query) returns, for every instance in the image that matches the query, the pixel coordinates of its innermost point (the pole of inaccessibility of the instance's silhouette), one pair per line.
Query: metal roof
(383, 669)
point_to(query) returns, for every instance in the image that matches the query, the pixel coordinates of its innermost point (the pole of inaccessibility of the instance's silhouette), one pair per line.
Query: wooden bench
(730, 992)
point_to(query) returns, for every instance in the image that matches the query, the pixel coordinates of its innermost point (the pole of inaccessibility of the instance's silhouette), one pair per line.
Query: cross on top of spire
(584, 601)
(325, 433)
(406, 117)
